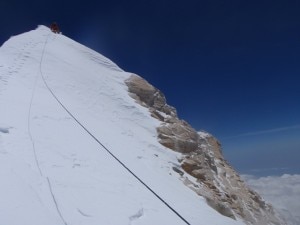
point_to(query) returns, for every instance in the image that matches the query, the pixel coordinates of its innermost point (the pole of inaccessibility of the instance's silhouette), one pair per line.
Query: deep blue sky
(229, 67)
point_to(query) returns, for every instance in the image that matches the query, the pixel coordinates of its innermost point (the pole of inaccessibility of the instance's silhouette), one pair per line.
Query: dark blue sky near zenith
(229, 67)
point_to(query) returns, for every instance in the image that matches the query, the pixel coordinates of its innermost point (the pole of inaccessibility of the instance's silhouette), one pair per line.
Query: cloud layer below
(283, 192)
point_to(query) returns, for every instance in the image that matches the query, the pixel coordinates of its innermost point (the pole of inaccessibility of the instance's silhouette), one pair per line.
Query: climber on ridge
(54, 28)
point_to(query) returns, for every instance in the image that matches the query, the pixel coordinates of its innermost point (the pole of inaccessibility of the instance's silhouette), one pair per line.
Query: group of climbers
(54, 28)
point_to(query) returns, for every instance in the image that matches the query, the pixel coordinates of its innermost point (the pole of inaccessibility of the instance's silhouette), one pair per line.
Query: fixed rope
(29, 127)
(104, 147)
(48, 180)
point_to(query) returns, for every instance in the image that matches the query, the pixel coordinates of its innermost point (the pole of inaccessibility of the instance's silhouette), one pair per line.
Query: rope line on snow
(48, 180)
(107, 150)
(29, 127)
(55, 202)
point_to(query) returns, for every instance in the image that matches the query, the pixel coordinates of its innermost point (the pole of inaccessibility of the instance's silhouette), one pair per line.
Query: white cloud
(282, 192)
(274, 130)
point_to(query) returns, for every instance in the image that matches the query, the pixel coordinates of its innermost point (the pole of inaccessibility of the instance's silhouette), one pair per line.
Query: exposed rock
(202, 159)
(178, 136)
(148, 95)
(178, 171)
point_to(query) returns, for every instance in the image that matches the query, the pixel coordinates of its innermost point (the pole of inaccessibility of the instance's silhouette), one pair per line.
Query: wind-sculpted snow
(53, 171)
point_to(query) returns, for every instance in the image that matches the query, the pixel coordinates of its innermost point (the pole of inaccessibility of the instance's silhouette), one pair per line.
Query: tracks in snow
(55, 202)
(29, 127)
(6, 72)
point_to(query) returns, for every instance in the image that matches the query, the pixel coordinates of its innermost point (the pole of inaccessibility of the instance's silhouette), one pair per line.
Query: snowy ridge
(53, 171)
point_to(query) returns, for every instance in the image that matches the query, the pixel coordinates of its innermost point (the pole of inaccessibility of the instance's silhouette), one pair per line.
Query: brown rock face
(173, 133)
(178, 136)
(149, 96)
(202, 159)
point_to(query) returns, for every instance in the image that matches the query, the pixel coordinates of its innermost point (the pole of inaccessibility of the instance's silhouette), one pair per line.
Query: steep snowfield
(58, 100)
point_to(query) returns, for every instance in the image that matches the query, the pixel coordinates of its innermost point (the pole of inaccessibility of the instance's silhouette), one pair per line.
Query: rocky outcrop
(173, 133)
(150, 97)
(178, 135)
(202, 159)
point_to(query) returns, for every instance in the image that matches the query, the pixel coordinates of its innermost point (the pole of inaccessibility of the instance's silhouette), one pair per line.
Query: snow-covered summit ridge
(53, 171)
(94, 56)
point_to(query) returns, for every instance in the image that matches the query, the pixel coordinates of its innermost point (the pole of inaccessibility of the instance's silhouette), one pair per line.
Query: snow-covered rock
(76, 148)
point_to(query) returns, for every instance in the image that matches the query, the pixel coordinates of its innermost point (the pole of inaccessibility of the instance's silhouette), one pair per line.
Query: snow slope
(62, 106)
